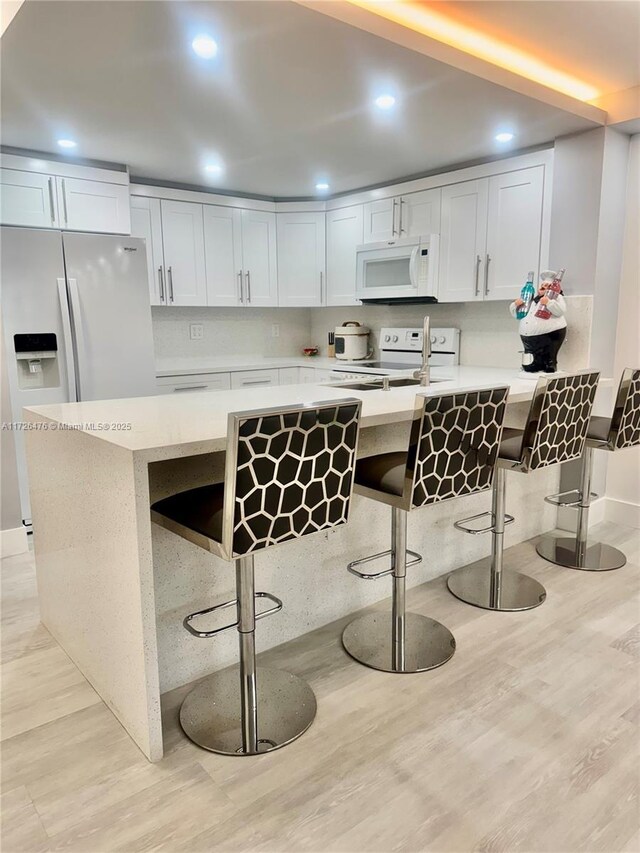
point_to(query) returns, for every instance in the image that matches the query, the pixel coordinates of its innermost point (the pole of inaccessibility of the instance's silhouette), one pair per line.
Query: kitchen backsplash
(488, 333)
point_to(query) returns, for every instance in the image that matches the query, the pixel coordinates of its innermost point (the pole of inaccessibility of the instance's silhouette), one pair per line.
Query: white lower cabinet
(183, 242)
(93, 206)
(289, 375)
(254, 378)
(146, 222)
(344, 233)
(194, 382)
(308, 375)
(301, 259)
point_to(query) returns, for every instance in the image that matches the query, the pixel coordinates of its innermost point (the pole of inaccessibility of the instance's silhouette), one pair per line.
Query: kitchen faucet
(424, 374)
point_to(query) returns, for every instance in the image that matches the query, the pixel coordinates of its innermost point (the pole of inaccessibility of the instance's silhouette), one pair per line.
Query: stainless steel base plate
(517, 592)
(210, 714)
(428, 644)
(596, 557)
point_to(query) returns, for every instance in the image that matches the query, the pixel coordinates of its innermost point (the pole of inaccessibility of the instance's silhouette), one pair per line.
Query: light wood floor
(527, 740)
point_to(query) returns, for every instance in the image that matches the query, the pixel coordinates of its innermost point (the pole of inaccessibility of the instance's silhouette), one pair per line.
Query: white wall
(623, 476)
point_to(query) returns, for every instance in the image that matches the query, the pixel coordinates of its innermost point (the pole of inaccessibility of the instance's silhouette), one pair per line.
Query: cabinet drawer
(196, 382)
(254, 378)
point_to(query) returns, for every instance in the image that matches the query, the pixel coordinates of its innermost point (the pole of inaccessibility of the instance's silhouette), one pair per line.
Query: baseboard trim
(13, 541)
(622, 512)
(567, 516)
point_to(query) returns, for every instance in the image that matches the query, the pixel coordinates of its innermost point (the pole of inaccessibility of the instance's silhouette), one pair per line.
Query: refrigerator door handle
(70, 366)
(77, 330)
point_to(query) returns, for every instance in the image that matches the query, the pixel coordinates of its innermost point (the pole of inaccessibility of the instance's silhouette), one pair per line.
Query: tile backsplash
(488, 334)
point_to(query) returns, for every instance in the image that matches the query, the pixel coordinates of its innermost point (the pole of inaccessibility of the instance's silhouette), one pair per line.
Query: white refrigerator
(76, 322)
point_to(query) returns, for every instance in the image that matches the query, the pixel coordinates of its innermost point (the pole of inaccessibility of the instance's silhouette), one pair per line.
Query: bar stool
(622, 429)
(289, 472)
(452, 452)
(555, 432)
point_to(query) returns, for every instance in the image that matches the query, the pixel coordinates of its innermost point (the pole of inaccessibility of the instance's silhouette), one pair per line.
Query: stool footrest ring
(372, 576)
(464, 525)
(563, 499)
(231, 603)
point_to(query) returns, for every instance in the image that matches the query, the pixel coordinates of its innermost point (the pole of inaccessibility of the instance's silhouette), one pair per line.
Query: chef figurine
(544, 327)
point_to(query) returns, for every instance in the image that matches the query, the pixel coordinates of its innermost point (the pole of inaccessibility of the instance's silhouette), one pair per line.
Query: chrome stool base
(211, 714)
(568, 552)
(427, 643)
(512, 591)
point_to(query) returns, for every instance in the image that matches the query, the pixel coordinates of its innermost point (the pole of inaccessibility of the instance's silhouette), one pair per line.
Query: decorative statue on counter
(543, 326)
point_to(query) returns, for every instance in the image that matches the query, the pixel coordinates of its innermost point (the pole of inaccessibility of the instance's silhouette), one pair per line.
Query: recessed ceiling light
(322, 186)
(213, 168)
(384, 102)
(503, 137)
(204, 46)
(67, 143)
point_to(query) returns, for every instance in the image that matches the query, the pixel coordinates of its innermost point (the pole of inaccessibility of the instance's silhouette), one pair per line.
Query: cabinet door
(344, 233)
(183, 240)
(381, 220)
(223, 255)
(28, 199)
(420, 213)
(93, 206)
(146, 223)
(463, 241)
(254, 378)
(259, 264)
(301, 258)
(514, 230)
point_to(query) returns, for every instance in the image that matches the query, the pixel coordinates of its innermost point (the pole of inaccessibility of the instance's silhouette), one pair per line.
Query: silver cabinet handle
(248, 275)
(170, 277)
(486, 275)
(161, 283)
(189, 387)
(257, 382)
(393, 218)
(240, 287)
(322, 299)
(401, 226)
(51, 205)
(64, 202)
(478, 262)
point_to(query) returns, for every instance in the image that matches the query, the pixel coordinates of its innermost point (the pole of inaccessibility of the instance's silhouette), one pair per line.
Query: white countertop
(198, 421)
(223, 364)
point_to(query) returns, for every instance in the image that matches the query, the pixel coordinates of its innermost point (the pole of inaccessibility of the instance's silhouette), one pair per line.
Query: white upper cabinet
(411, 215)
(223, 255)
(146, 222)
(420, 213)
(259, 263)
(344, 233)
(514, 230)
(463, 241)
(93, 206)
(301, 258)
(183, 240)
(28, 199)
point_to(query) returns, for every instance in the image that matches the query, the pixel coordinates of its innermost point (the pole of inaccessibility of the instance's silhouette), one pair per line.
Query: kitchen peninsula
(114, 588)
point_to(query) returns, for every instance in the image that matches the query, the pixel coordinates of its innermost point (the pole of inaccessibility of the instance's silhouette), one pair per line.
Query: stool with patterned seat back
(621, 430)
(288, 473)
(555, 432)
(452, 452)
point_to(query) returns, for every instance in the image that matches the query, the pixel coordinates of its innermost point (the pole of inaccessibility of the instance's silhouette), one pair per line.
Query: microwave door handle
(70, 359)
(413, 267)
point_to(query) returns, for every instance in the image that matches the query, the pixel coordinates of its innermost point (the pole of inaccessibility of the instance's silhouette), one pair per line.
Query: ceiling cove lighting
(322, 186)
(67, 143)
(435, 25)
(384, 102)
(505, 136)
(204, 46)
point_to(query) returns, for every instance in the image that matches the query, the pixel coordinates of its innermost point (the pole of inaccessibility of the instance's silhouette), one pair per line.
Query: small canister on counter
(352, 341)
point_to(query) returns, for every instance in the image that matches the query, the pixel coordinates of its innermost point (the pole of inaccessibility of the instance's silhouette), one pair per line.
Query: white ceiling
(286, 102)
(597, 41)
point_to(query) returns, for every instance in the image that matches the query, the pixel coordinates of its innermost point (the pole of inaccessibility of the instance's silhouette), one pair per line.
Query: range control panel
(410, 340)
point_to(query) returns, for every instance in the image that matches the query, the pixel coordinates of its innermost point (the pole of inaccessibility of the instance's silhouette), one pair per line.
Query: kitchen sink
(377, 384)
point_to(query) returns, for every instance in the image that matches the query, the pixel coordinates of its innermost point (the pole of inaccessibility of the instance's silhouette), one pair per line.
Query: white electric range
(401, 351)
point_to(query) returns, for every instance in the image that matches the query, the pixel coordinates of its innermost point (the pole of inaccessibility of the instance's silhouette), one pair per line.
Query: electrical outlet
(275, 331)
(196, 331)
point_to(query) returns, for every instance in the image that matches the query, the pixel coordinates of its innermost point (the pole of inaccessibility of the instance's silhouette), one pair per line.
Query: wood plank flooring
(527, 740)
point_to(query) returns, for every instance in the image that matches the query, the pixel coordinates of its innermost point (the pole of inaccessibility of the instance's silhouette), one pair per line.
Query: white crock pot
(352, 341)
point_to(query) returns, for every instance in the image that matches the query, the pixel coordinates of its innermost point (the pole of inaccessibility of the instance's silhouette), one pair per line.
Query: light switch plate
(275, 330)
(196, 331)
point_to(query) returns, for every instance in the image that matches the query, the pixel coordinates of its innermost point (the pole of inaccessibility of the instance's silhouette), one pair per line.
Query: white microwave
(406, 268)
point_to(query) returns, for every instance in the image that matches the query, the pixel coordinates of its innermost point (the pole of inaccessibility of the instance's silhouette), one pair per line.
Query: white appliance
(76, 322)
(401, 351)
(402, 270)
(352, 341)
